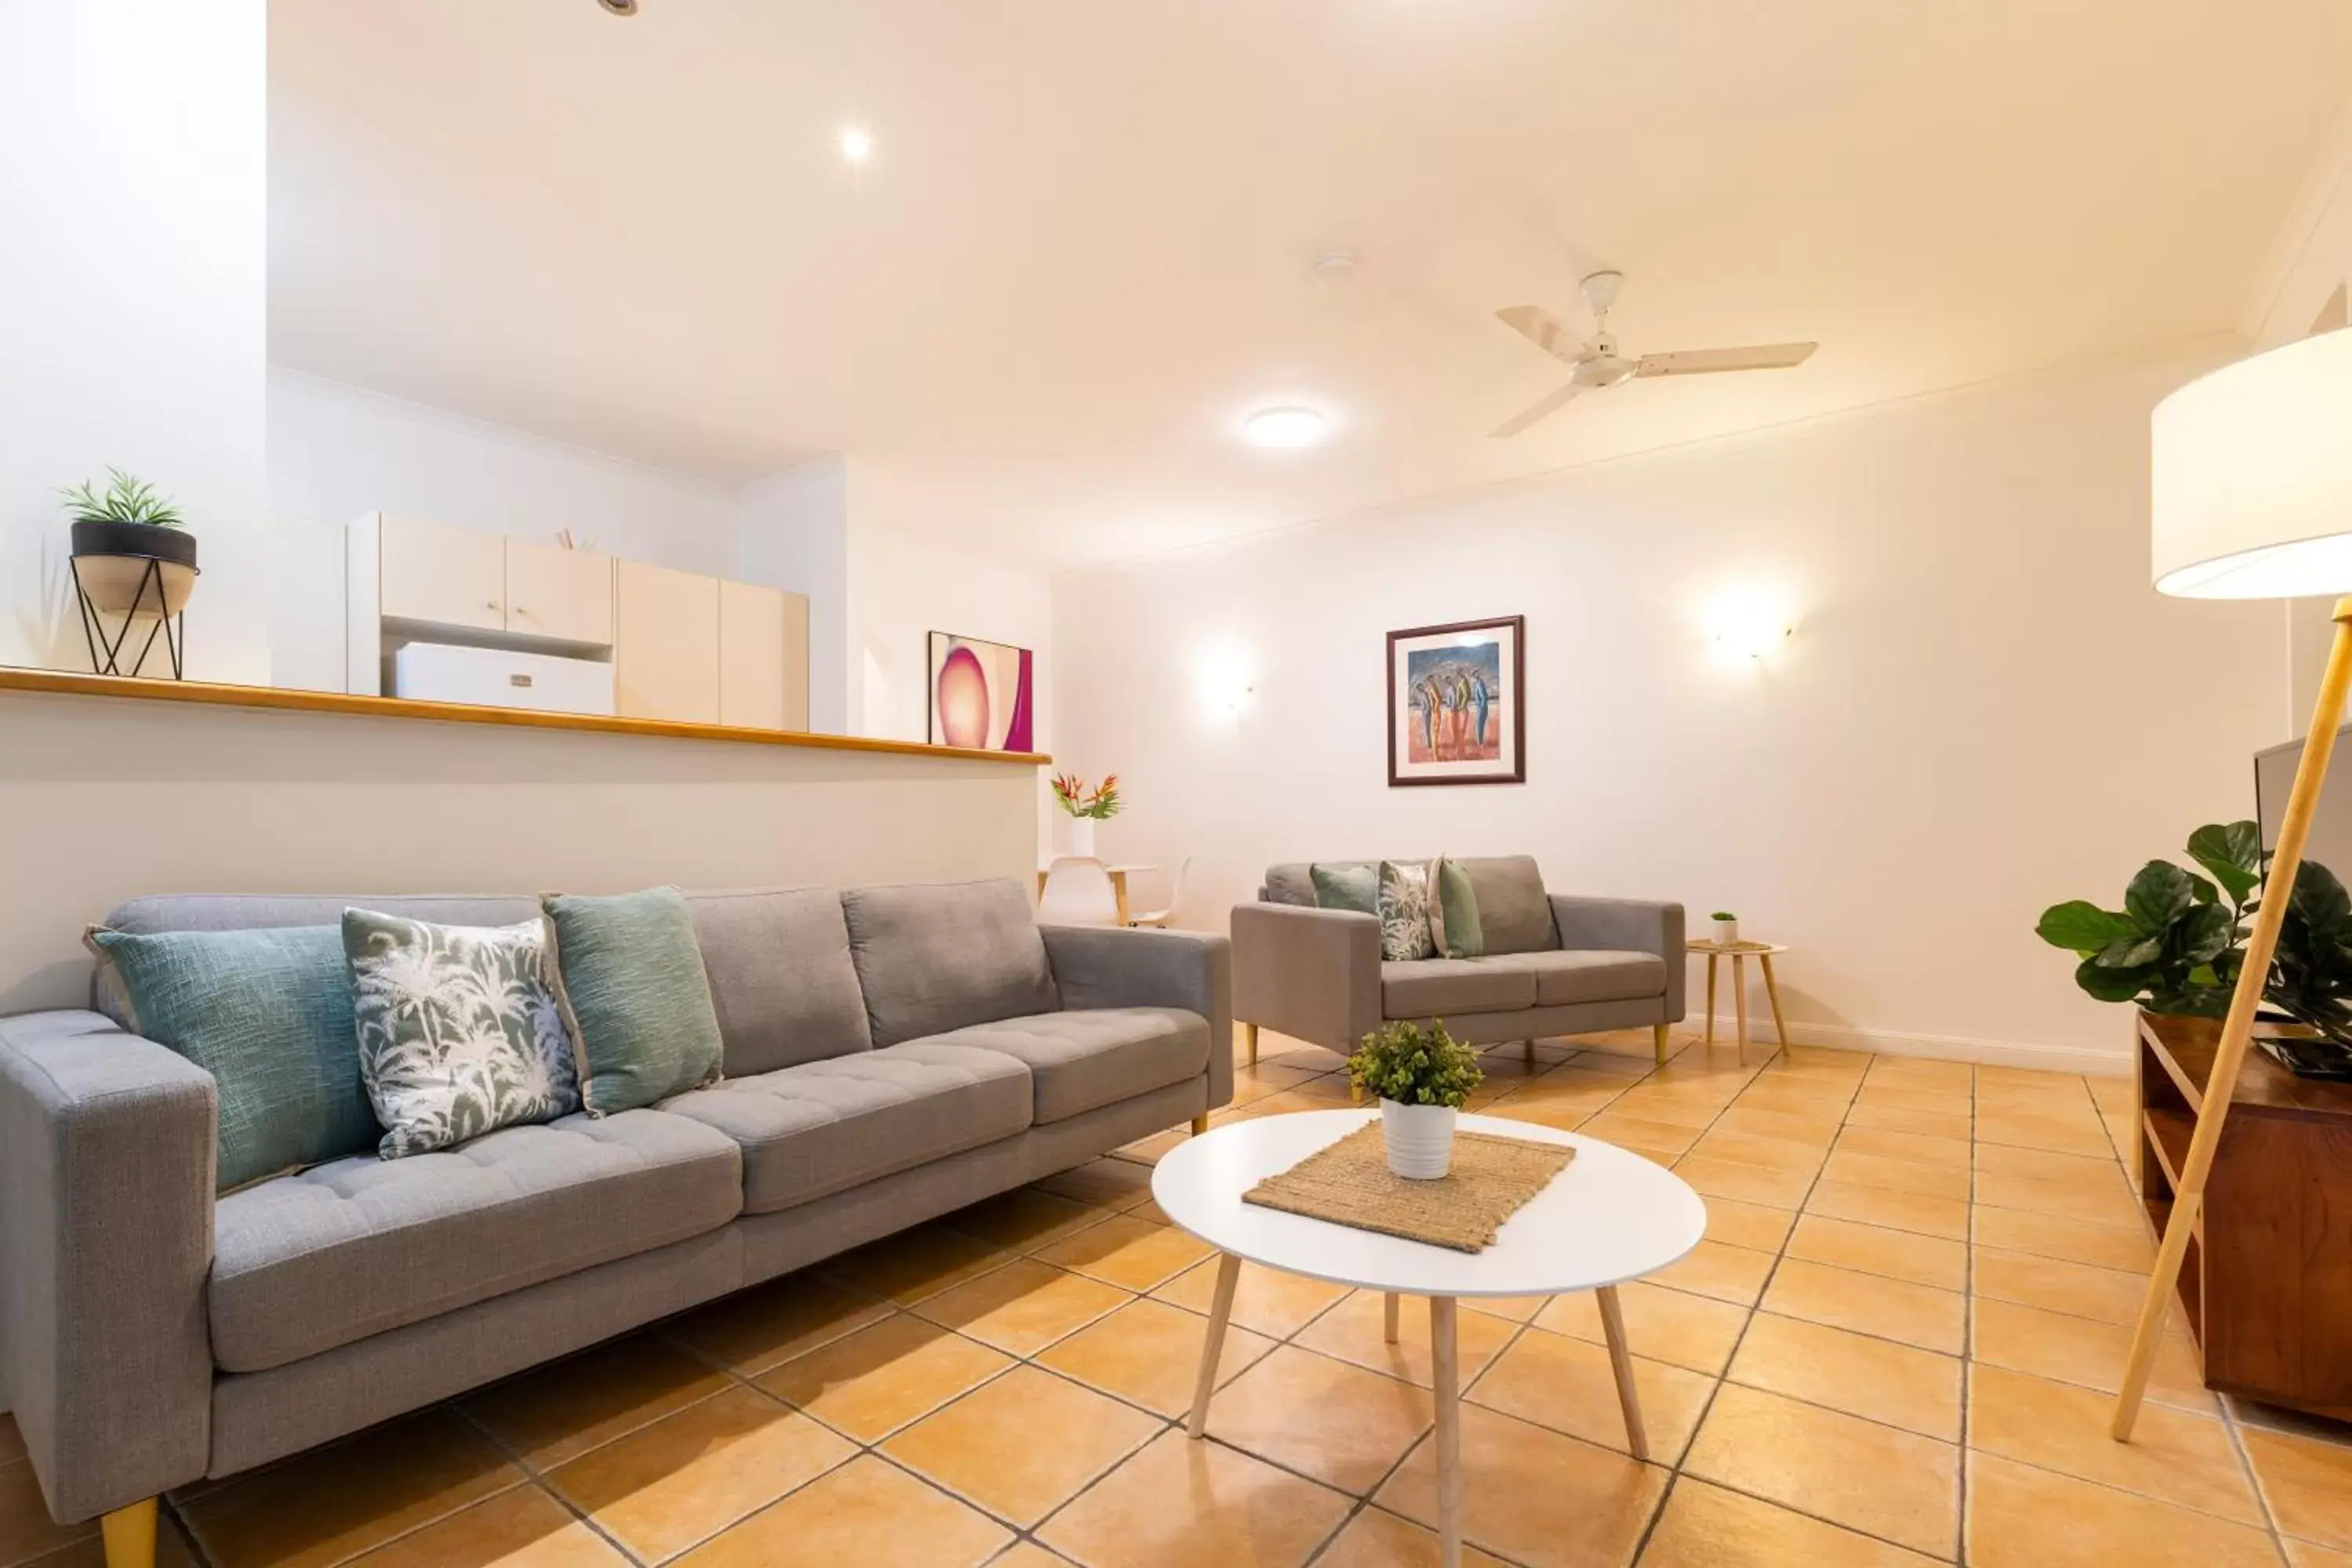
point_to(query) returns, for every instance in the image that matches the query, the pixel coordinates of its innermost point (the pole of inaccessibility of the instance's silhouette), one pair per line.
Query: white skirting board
(2116, 1063)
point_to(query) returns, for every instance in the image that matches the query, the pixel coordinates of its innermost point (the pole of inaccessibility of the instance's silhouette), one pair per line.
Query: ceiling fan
(1598, 364)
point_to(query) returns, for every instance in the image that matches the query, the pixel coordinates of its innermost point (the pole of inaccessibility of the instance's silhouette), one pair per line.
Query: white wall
(2313, 268)
(793, 529)
(1984, 709)
(909, 578)
(131, 303)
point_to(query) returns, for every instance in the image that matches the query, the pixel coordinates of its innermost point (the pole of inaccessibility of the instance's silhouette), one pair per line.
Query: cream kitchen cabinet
(762, 658)
(681, 646)
(562, 595)
(665, 644)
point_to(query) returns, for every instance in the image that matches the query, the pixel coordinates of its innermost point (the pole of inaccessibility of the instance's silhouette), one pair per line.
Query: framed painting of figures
(1458, 704)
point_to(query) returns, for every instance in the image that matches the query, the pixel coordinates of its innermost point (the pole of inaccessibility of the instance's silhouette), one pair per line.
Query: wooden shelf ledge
(274, 699)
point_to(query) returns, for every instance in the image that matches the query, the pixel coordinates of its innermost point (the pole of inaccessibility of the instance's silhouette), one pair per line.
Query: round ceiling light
(856, 144)
(620, 7)
(1284, 428)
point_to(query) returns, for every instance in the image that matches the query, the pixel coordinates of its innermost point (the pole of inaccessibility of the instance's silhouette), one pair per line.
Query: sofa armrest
(1627, 925)
(106, 1236)
(1312, 975)
(1113, 966)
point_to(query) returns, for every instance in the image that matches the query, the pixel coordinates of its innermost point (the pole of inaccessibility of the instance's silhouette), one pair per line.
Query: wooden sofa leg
(1200, 1125)
(130, 1534)
(1658, 1041)
(1249, 1038)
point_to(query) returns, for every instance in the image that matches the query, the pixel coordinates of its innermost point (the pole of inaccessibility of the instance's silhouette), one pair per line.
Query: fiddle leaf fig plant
(2176, 944)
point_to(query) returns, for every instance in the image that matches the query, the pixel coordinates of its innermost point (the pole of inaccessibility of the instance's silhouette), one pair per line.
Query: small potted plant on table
(1727, 928)
(1422, 1075)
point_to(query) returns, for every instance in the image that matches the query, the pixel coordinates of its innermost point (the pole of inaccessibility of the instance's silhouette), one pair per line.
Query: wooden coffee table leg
(1772, 992)
(1389, 1316)
(1229, 1273)
(1620, 1361)
(1446, 1366)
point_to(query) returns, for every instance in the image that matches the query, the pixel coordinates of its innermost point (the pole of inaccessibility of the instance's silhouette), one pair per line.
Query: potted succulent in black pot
(2178, 942)
(132, 557)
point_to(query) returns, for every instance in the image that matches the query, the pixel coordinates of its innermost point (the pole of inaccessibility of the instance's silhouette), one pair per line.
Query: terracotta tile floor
(1894, 1347)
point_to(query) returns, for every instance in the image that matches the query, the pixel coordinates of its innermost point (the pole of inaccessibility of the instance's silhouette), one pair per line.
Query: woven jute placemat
(1349, 1184)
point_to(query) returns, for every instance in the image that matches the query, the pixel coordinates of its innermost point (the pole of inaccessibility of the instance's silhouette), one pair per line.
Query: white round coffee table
(1611, 1217)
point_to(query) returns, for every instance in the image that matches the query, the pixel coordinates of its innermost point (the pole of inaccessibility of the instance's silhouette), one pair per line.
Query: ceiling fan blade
(1543, 329)
(1527, 416)
(1703, 362)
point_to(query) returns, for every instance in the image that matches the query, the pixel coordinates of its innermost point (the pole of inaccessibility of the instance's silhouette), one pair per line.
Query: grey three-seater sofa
(1555, 964)
(891, 1054)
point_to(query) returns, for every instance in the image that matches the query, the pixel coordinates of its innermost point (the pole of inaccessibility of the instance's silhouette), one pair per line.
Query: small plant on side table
(1086, 807)
(1727, 926)
(1422, 1075)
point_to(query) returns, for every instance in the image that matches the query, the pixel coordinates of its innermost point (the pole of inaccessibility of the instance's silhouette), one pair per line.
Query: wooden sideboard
(2267, 1286)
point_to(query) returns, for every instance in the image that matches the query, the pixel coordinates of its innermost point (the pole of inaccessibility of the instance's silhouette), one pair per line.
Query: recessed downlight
(1284, 429)
(856, 144)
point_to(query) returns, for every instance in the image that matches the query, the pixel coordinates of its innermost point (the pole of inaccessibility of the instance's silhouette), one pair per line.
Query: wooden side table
(1739, 953)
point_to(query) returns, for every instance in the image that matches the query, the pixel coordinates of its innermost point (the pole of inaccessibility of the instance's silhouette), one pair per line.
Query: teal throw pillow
(1454, 910)
(268, 1014)
(628, 975)
(1356, 888)
(1404, 911)
(458, 1034)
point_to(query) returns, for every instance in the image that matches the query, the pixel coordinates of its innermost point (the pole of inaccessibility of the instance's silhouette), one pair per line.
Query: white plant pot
(1727, 932)
(1082, 838)
(1420, 1139)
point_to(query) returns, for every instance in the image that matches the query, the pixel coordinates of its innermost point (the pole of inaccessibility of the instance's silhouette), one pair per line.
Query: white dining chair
(1077, 893)
(1161, 917)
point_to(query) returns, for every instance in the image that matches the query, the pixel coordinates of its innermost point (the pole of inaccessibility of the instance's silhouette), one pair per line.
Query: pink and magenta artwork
(981, 694)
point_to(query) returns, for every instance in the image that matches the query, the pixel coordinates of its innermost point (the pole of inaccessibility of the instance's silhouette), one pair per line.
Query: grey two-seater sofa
(1555, 964)
(891, 1054)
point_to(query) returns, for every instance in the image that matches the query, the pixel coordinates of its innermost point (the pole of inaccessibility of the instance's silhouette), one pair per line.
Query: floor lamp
(2250, 498)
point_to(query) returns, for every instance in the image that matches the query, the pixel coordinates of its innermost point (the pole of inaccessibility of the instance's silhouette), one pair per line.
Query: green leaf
(2108, 985)
(2160, 894)
(2081, 926)
(2129, 953)
(2320, 899)
(2206, 934)
(2232, 852)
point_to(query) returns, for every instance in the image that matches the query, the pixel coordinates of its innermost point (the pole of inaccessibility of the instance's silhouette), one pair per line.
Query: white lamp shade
(2250, 477)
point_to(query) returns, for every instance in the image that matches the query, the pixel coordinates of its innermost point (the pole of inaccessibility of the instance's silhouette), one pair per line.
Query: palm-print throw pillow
(1404, 911)
(458, 1034)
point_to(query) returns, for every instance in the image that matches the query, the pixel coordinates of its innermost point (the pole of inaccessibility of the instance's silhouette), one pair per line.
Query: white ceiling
(1083, 251)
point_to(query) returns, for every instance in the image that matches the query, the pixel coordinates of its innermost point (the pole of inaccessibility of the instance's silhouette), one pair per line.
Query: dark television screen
(2331, 828)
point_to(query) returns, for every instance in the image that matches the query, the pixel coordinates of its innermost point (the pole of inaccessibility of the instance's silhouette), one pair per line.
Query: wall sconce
(1747, 623)
(1223, 682)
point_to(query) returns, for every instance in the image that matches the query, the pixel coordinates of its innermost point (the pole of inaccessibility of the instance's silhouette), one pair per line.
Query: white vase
(1082, 838)
(1420, 1139)
(1727, 932)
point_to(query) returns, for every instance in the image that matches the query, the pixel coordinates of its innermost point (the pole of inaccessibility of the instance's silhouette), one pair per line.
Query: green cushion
(1404, 911)
(1344, 887)
(629, 978)
(268, 1014)
(458, 1034)
(1453, 911)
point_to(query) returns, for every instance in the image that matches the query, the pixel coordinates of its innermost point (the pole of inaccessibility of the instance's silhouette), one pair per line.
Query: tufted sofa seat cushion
(353, 1248)
(824, 1127)
(1085, 1058)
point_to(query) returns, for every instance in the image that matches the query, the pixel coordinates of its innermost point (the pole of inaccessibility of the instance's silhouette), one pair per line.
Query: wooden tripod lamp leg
(2188, 1199)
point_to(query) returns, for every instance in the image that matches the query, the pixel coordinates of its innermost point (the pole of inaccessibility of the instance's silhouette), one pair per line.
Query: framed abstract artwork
(981, 694)
(1458, 704)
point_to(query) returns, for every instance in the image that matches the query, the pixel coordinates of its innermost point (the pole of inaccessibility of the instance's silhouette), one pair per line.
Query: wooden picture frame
(1459, 688)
